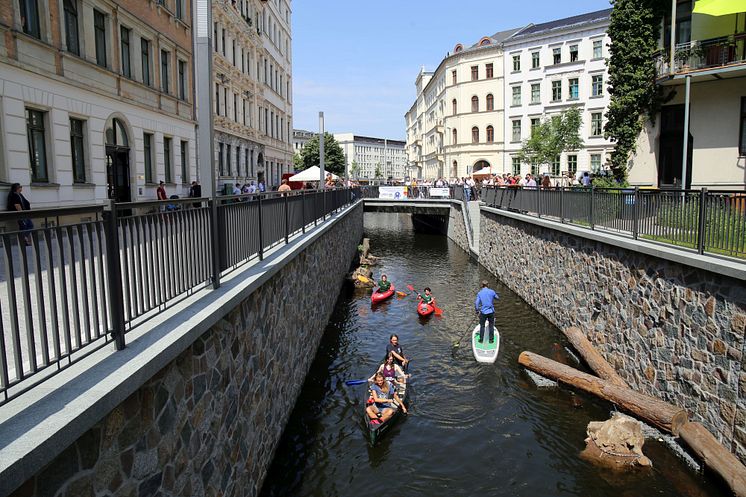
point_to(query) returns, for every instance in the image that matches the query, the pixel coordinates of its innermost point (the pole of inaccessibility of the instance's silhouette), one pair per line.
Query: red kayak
(377, 297)
(424, 309)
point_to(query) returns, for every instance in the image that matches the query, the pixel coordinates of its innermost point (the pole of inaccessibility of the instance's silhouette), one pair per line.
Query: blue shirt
(483, 302)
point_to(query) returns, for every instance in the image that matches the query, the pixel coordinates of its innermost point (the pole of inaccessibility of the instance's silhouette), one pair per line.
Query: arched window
(116, 135)
(490, 134)
(484, 42)
(454, 137)
(458, 48)
(475, 104)
(454, 169)
(490, 102)
(455, 106)
(475, 135)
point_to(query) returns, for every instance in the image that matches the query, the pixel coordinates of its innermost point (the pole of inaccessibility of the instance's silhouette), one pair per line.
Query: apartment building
(96, 99)
(300, 138)
(375, 157)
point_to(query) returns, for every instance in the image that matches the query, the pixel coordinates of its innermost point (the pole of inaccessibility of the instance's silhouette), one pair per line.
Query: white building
(551, 67)
(374, 157)
(300, 138)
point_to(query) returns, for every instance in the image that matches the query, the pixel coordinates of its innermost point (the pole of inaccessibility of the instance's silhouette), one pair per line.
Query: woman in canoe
(427, 297)
(391, 372)
(385, 400)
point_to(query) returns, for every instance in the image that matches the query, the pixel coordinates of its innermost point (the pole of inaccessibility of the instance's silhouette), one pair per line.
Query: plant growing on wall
(559, 133)
(334, 158)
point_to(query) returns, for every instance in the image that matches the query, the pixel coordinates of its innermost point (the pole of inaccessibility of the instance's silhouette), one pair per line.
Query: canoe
(375, 428)
(377, 297)
(485, 352)
(424, 309)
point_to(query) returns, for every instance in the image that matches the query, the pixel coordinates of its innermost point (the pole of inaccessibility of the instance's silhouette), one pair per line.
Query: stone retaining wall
(208, 423)
(671, 330)
(457, 227)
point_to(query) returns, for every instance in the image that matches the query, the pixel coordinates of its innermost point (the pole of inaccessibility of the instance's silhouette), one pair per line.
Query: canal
(481, 430)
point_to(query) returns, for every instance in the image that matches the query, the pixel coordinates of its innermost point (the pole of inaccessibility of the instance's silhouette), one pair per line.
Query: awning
(719, 7)
(310, 174)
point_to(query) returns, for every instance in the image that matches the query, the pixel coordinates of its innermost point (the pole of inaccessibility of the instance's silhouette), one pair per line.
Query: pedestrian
(236, 189)
(284, 187)
(262, 188)
(195, 191)
(161, 191)
(396, 349)
(546, 183)
(586, 179)
(484, 305)
(17, 202)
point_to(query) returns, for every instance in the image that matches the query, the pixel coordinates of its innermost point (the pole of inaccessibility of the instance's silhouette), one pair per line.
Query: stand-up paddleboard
(485, 351)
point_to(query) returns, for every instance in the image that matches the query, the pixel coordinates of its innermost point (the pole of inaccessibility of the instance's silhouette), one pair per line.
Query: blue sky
(357, 60)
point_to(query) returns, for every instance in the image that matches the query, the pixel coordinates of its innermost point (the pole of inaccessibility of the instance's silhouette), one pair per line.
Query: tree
(298, 162)
(378, 173)
(557, 134)
(354, 169)
(334, 158)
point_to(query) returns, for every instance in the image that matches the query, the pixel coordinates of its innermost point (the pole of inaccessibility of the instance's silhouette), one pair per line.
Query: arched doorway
(479, 165)
(118, 162)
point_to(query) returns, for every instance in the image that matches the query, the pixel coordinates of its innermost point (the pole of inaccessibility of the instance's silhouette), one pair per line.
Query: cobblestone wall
(456, 226)
(670, 330)
(208, 423)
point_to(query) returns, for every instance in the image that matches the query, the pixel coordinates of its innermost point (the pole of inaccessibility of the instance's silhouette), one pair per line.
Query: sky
(357, 61)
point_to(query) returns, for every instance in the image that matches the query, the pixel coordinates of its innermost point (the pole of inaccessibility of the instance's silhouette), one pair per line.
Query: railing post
(303, 210)
(562, 204)
(217, 246)
(636, 213)
(323, 198)
(593, 200)
(538, 202)
(702, 221)
(287, 221)
(116, 300)
(261, 230)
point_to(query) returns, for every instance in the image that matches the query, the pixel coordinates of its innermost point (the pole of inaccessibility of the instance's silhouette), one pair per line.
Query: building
(300, 138)
(551, 67)
(96, 99)
(374, 157)
(252, 71)
(709, 59)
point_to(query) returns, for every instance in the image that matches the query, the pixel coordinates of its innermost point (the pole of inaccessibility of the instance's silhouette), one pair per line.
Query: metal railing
(704, 221)
(68, 287)
(703, 54)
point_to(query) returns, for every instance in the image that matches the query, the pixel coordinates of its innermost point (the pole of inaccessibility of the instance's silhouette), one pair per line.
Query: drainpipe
(671, 67)
(685, 160)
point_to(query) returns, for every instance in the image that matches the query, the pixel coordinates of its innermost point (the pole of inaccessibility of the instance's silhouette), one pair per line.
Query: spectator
(161, 191)
(17, 202)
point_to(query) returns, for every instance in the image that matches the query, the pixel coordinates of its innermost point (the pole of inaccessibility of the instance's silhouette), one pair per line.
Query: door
(670, 148)
(118, 174)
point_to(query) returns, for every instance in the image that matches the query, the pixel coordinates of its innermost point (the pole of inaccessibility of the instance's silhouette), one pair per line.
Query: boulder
(616, 442)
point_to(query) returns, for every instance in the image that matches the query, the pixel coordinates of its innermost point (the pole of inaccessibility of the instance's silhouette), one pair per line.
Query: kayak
(377, 297)
(424, 309)
(485, 352)
(376, 429)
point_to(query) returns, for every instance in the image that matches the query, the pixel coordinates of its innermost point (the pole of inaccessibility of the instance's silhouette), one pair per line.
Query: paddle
(355, 382)
(472, 323)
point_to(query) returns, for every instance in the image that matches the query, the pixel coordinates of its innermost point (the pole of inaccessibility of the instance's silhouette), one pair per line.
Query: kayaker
(394, 348)
(385, 400)
(391, 371)
(486, 310)
(384, 284)
(427, 297)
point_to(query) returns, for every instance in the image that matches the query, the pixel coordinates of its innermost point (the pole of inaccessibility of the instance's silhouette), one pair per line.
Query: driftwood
(593, 358)
(652, 410)
(715, 456)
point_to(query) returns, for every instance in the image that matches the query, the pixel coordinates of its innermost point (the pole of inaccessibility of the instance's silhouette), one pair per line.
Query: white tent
(310, 174)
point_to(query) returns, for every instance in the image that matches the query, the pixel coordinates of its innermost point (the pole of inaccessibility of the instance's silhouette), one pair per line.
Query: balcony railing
(703, 54)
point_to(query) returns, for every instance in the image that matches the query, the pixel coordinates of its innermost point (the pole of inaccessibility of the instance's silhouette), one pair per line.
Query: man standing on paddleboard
(486, 310)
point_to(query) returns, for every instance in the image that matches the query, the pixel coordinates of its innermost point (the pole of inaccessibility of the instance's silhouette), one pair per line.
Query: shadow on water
(472, 429)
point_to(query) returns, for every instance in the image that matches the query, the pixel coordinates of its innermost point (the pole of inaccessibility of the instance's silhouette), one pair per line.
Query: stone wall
(671, 330)
(208, 423)
(457, 226)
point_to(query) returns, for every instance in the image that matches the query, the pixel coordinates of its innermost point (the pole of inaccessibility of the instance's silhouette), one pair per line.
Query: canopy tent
(719, 7)
(310, 174)
(485, 171)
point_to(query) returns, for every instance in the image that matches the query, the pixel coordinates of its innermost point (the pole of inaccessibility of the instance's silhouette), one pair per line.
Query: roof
(567, 22)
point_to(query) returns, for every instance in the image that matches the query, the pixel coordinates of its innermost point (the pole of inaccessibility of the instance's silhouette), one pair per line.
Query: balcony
(704, 57)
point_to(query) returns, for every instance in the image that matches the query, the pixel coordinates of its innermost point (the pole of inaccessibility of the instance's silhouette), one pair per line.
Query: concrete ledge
(722, 266)
(37, 426)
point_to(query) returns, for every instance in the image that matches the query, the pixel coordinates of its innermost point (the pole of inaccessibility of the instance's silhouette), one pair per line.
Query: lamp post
(321, 150)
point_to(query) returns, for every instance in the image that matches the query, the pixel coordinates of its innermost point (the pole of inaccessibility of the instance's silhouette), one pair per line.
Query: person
(385, 400)
(484, 305)
(586, 179)
(17, 202)
(262, 188)
(530, 181)
(391, 371)
(195, 191)
(284, 187)
(396, 349)
(252, 188)
(236, 189)
(384, 284)
(546, 182)
(427, 297)
(161, 191)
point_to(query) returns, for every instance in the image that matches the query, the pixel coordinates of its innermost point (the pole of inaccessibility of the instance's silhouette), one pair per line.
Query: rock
(616, 443)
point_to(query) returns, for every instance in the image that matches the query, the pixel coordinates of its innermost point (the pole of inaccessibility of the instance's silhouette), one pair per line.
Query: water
(486, 430)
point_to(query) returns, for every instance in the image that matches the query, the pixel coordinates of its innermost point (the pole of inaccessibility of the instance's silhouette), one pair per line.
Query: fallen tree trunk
(593, 358)
(715, 456)
(652, 410)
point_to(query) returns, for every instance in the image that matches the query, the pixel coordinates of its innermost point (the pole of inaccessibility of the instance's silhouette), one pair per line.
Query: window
(215, 36)
(489, 71)
(37, 147)
(246, 161)
(535, 122)
(572, 164)
(557, 55)
(475, 135)
(235, 107)
(556, 91)
(184, 161)
(534, 169)
(597, 89)
(147, 145)
(595, 163)
(516, 163)
(742, 141)
(597, 49)
(71, 27)
(534, 60)
(596, 123)
(99, 29)
(535, 93)
(167, 159)
(454, 137)
(453, 77)
(572, 88)
(490, 102)
(145, 57)
(30, 17)
(573, 53)
(77, 150)
(182, 80)
(516, 63)
(490, 134)
(475, 104)
(228, 158)
(124, 35)
(516, 95)
(516, 130)
(221, 162)
(474, 73)
(165, 63)
(179, 9)
(554, 166)
(455, 106)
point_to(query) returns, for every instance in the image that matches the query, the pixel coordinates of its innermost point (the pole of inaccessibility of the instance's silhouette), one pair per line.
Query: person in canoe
(427, 297)
(391, 372)
(385, 400)
(484, 305)
(396, 350)
(384, 285)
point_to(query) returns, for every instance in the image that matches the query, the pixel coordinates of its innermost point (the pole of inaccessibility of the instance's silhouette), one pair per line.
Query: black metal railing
(705, 221)
(83, 277)
(702, 54)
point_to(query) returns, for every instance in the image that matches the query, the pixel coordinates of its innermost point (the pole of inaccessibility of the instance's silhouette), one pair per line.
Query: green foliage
(560, 133)
(609, 182)
(378, 173)
(634, 30)
(334, 158)
(354, 169)
(298, 162)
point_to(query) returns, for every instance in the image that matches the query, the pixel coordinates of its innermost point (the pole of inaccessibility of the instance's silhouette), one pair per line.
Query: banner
(440, 192)
(391, 192)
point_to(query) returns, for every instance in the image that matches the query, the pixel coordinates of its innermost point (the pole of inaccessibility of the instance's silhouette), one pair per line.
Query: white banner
(440, 192)
(391, 192)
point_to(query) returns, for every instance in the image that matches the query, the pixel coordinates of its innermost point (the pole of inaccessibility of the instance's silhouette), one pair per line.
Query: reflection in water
(472, 429)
